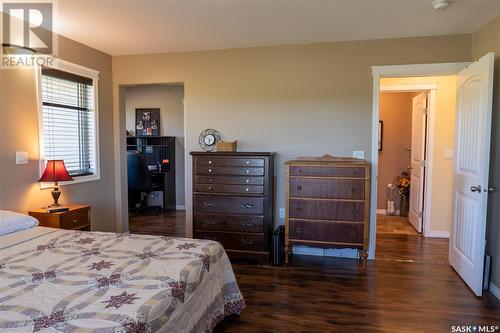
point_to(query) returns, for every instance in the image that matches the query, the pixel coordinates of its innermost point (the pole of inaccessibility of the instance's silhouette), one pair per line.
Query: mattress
(54, 280)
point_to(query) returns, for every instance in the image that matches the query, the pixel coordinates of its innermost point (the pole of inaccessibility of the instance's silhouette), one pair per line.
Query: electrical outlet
(21, 157)
(282, 213)
(358, 154)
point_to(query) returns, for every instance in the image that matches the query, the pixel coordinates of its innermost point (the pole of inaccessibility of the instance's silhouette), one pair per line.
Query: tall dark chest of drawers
(233, 199)
(327, 203)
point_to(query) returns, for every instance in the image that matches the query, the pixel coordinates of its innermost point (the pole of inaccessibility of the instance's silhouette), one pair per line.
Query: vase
(404, 205)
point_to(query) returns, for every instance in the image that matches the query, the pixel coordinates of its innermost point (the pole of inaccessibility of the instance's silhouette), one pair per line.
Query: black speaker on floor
(279, 246)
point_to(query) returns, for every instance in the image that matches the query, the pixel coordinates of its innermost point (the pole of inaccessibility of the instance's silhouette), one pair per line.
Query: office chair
(139, 181)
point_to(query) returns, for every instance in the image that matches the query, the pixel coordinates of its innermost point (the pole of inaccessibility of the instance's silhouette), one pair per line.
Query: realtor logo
(27, 28)
(27, 34)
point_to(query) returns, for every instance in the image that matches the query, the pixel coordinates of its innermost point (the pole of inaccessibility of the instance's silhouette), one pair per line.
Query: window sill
(76, 180)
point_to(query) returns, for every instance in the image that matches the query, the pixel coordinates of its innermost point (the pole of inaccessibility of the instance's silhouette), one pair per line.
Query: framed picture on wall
(380, 134)
(147, 122)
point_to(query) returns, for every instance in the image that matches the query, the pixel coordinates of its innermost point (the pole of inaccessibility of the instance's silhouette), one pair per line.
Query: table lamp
(56, 172)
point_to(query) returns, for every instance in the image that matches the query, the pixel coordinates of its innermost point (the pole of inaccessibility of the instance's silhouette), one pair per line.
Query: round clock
(208, 138)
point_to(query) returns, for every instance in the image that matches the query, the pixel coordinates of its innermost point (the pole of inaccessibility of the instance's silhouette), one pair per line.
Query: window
(69, 120)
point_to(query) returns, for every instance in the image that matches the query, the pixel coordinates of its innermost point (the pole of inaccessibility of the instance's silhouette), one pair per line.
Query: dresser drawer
(323, 171)
(242, 223)
(228, 204)
(229, 180)
(235, 241)
(236, 189)
(225, 170)
(74, 220)
(327, 188)
(327, 231)
(230, 161)
(327, 210)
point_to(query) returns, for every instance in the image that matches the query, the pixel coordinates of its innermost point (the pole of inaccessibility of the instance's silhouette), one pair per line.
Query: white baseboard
(494, 290)
(315, 251)
(437, 234)
(180, 207)
(384, 212)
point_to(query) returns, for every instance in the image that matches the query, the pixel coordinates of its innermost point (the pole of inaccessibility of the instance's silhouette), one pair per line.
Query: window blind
(69, 121)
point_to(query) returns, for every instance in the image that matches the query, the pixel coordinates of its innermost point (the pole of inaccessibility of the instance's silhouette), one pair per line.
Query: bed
(74, 281)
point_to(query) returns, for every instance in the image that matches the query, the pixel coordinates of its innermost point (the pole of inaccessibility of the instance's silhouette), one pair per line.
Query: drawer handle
(210, 180)
(208, 204)
(247, 241)
(247, 205)
(212, 222)
(298, 230)
(247, 181)
(354, 233)
(247, 224)
(209, 162)
(247, 162)
(299, 170)
(247, 171)
(247, 189)
(210, 188)
(210, 170)
(299, 188)
(75, 221)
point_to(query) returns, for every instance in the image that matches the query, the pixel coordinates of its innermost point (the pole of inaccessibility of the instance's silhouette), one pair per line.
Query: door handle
(489, 189)
(477, 188)
(208, 204)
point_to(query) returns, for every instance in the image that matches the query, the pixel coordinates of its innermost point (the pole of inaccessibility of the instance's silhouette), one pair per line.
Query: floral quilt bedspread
(73, 281)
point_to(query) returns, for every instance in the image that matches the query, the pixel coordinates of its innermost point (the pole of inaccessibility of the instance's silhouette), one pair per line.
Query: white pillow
(11, 222)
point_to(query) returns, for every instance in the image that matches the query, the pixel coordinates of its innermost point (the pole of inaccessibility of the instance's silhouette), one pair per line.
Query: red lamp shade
(55, 171)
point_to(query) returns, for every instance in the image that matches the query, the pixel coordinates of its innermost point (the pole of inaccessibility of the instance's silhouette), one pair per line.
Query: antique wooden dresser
(327, 203)
(233, 199)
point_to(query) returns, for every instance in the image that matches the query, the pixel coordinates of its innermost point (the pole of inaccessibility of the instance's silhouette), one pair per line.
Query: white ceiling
(134, 27)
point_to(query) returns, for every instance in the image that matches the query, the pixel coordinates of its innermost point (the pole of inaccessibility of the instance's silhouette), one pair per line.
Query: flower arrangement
(403, 183)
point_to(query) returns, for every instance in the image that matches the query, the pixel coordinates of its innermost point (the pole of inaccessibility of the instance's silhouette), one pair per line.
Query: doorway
(154, 117)
(470, 188)
(418, 116)
(401, 158)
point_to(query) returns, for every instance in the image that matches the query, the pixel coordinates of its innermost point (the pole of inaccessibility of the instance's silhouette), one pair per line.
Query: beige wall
(487, 39)
(169, 98)
(395, 112)
(19, 132)
(296, 100)
(444, 139)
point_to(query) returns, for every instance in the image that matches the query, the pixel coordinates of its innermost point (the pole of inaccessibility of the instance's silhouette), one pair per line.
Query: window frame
(77, 70)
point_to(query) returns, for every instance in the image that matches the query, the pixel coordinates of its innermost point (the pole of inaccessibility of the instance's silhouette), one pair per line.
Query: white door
(470, 192)
(417, 160)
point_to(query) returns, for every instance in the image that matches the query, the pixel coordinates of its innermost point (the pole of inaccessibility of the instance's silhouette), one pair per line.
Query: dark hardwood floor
(163, 224)
(410, 287)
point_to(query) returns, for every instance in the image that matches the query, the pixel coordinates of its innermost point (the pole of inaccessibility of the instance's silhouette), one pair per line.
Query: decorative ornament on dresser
(327, 203)
(208, 139)
(233, 199)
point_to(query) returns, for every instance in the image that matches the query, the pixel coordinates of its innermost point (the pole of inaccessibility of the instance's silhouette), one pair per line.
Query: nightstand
(77, 218)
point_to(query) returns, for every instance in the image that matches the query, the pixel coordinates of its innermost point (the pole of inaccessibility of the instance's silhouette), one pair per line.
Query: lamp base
(55, 195)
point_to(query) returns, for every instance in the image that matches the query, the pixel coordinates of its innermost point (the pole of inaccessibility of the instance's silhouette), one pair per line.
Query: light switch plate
(21, 157)
(358, 154)
(449, 154)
